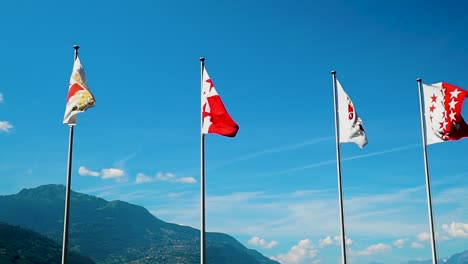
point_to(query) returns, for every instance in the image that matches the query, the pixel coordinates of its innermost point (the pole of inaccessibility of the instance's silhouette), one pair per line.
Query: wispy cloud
(424, 236)
(374, 249)
(112, 173)
(382, 214)
(83, 171)
(328, 240)
(417, 245)
(160, 176)
(5, 126)
(399, 243)
(122, 163)
(328, 162)
(271, 151)
(109, 173)
(260, 242)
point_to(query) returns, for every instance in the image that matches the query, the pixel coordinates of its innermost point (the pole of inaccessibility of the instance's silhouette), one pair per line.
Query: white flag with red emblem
(442, 110)
(216, 119)
(79, 97)
(350, 124)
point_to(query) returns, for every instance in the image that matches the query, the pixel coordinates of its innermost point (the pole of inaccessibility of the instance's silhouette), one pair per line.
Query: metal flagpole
(202, 174)
(338, 169)
(67, 191)
(426, 171)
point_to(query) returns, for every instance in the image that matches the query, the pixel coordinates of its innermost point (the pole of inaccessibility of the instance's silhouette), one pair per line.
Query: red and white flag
(442, 110)
(79, 97)
(215, 117)
(350, 124)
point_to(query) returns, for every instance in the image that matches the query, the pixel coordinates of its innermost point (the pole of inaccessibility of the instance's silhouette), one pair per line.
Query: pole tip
(202, 59)
(333, 72)
(76, 47)
(418, 80)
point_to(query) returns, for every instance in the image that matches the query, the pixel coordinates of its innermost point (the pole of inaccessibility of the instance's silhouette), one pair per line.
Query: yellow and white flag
(79, 97)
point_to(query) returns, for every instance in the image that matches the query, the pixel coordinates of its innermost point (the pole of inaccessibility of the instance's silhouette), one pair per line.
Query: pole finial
(202, 59)
(76, 47)
(333, 72)
(418, 79)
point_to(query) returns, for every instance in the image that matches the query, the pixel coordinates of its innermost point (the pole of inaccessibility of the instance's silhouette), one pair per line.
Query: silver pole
(338, 170)
(202, 175)
(68, 187)
(67, 198)
(426, 171)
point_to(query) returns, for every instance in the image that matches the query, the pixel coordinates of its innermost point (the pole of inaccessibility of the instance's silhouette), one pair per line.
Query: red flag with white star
(442, 109)
(216, 119)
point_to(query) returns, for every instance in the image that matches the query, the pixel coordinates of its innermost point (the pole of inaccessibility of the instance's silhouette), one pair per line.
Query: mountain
(460, 258)
(117, 231)
(19, 245)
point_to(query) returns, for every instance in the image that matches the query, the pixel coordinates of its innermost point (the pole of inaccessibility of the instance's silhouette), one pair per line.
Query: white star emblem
(452, 104)
(444, 125)
(455, 93)
(457, 126)
(452, 116)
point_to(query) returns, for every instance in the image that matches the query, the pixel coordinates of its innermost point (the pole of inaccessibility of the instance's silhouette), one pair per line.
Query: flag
(442, 110)
(79, 97)
(215, 117)
(350, 124)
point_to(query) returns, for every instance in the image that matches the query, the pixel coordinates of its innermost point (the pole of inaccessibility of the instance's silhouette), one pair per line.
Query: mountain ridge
(20, 245)
(117, 231)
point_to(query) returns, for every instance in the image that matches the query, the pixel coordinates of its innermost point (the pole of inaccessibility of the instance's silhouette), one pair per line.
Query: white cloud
(5, 126)
(260, 242)
(112, 173)
(456, 229)
(326, 241)
(417, 245)
(83, 171)
(186, 180)
(167, 177)
(424, 236)
(348, 240)
(142, 178)
(374, 249)
(399, 243)
(303, 252)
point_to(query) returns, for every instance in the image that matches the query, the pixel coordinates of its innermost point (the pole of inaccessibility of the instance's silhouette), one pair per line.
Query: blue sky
(273, 187)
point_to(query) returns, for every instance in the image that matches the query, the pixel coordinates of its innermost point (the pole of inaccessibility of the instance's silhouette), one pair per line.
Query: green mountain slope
(118, 232)
(19, 245)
